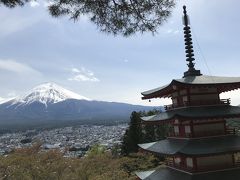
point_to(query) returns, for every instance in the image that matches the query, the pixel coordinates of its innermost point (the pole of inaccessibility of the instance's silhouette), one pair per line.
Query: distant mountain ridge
(51, 103)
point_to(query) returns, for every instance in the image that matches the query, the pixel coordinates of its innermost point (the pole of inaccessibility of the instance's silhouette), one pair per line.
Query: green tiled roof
(203, 146)
(163, 174)
(208, 80)
(197, 80)
(171, 174)
(154, 90)
(145, 174)
(196, 112)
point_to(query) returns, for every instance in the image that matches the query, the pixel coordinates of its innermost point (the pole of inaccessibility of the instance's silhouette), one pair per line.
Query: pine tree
(161, 131)
(111, 16)
(150, 130)
(133, 135)
(138, 133)
(149, 133)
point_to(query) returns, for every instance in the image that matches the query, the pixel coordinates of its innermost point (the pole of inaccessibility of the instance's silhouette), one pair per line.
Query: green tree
(142, 133)
(96, 150)
(161, 131)
(154, 132)
(133, 135)
(149, 133)
(124, 17)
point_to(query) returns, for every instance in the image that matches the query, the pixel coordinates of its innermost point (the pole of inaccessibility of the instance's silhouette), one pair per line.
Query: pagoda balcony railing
(229, 131)
(198, 103)
(183, 167)
(237, 163)
(169, 161)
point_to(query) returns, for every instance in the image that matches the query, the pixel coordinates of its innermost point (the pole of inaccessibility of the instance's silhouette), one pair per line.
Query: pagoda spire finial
(188, 46)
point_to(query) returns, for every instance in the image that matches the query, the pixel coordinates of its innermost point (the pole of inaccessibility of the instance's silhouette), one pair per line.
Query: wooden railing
(170, 107)
(237, 163)
(204, 168)
(169, 161)
(216, 167)
(208, 102)
(229, 131)
(198, 103)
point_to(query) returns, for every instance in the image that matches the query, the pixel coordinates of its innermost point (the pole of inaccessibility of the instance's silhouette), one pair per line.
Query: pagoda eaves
(166, 173)
(199, 112)
(195, 147)
(222, 84)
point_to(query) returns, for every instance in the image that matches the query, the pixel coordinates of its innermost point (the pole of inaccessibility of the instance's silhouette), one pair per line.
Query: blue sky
(36, 48)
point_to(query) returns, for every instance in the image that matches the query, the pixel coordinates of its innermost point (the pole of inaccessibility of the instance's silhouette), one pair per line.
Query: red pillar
(192, 130)
(225, 127)
(195, 164)
(188, 95)
(233, 159)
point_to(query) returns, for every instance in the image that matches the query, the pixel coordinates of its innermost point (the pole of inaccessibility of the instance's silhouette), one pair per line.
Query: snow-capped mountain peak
(48, 93)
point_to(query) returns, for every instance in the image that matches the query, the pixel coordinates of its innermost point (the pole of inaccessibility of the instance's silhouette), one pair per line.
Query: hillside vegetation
(31, 163)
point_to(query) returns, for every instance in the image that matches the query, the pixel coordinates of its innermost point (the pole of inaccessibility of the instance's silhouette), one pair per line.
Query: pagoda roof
(224, 111)
(166, 173)
(201, 146)
(223, 83)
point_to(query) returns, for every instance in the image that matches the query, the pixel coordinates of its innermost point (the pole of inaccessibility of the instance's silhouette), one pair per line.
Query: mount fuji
(49, 104)
(46, 94)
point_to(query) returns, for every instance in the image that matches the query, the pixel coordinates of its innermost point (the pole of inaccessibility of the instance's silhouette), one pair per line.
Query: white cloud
(176, 32)
(13, 66)
(16, 21)
(169, 31)
(75, 70)
(12, 94)
(172, 31)
(34, 3)
(83, 75)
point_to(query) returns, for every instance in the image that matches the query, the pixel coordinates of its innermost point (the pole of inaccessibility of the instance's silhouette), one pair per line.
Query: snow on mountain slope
(1, 99)
(47, 93)
(7, 100)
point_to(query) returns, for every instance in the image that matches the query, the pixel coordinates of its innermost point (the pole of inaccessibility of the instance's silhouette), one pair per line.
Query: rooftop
(198, 147)
(222, 83)
(224, 111)
(171, 174)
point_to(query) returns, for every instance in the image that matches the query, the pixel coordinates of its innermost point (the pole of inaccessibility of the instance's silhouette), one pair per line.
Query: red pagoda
(200, 145)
